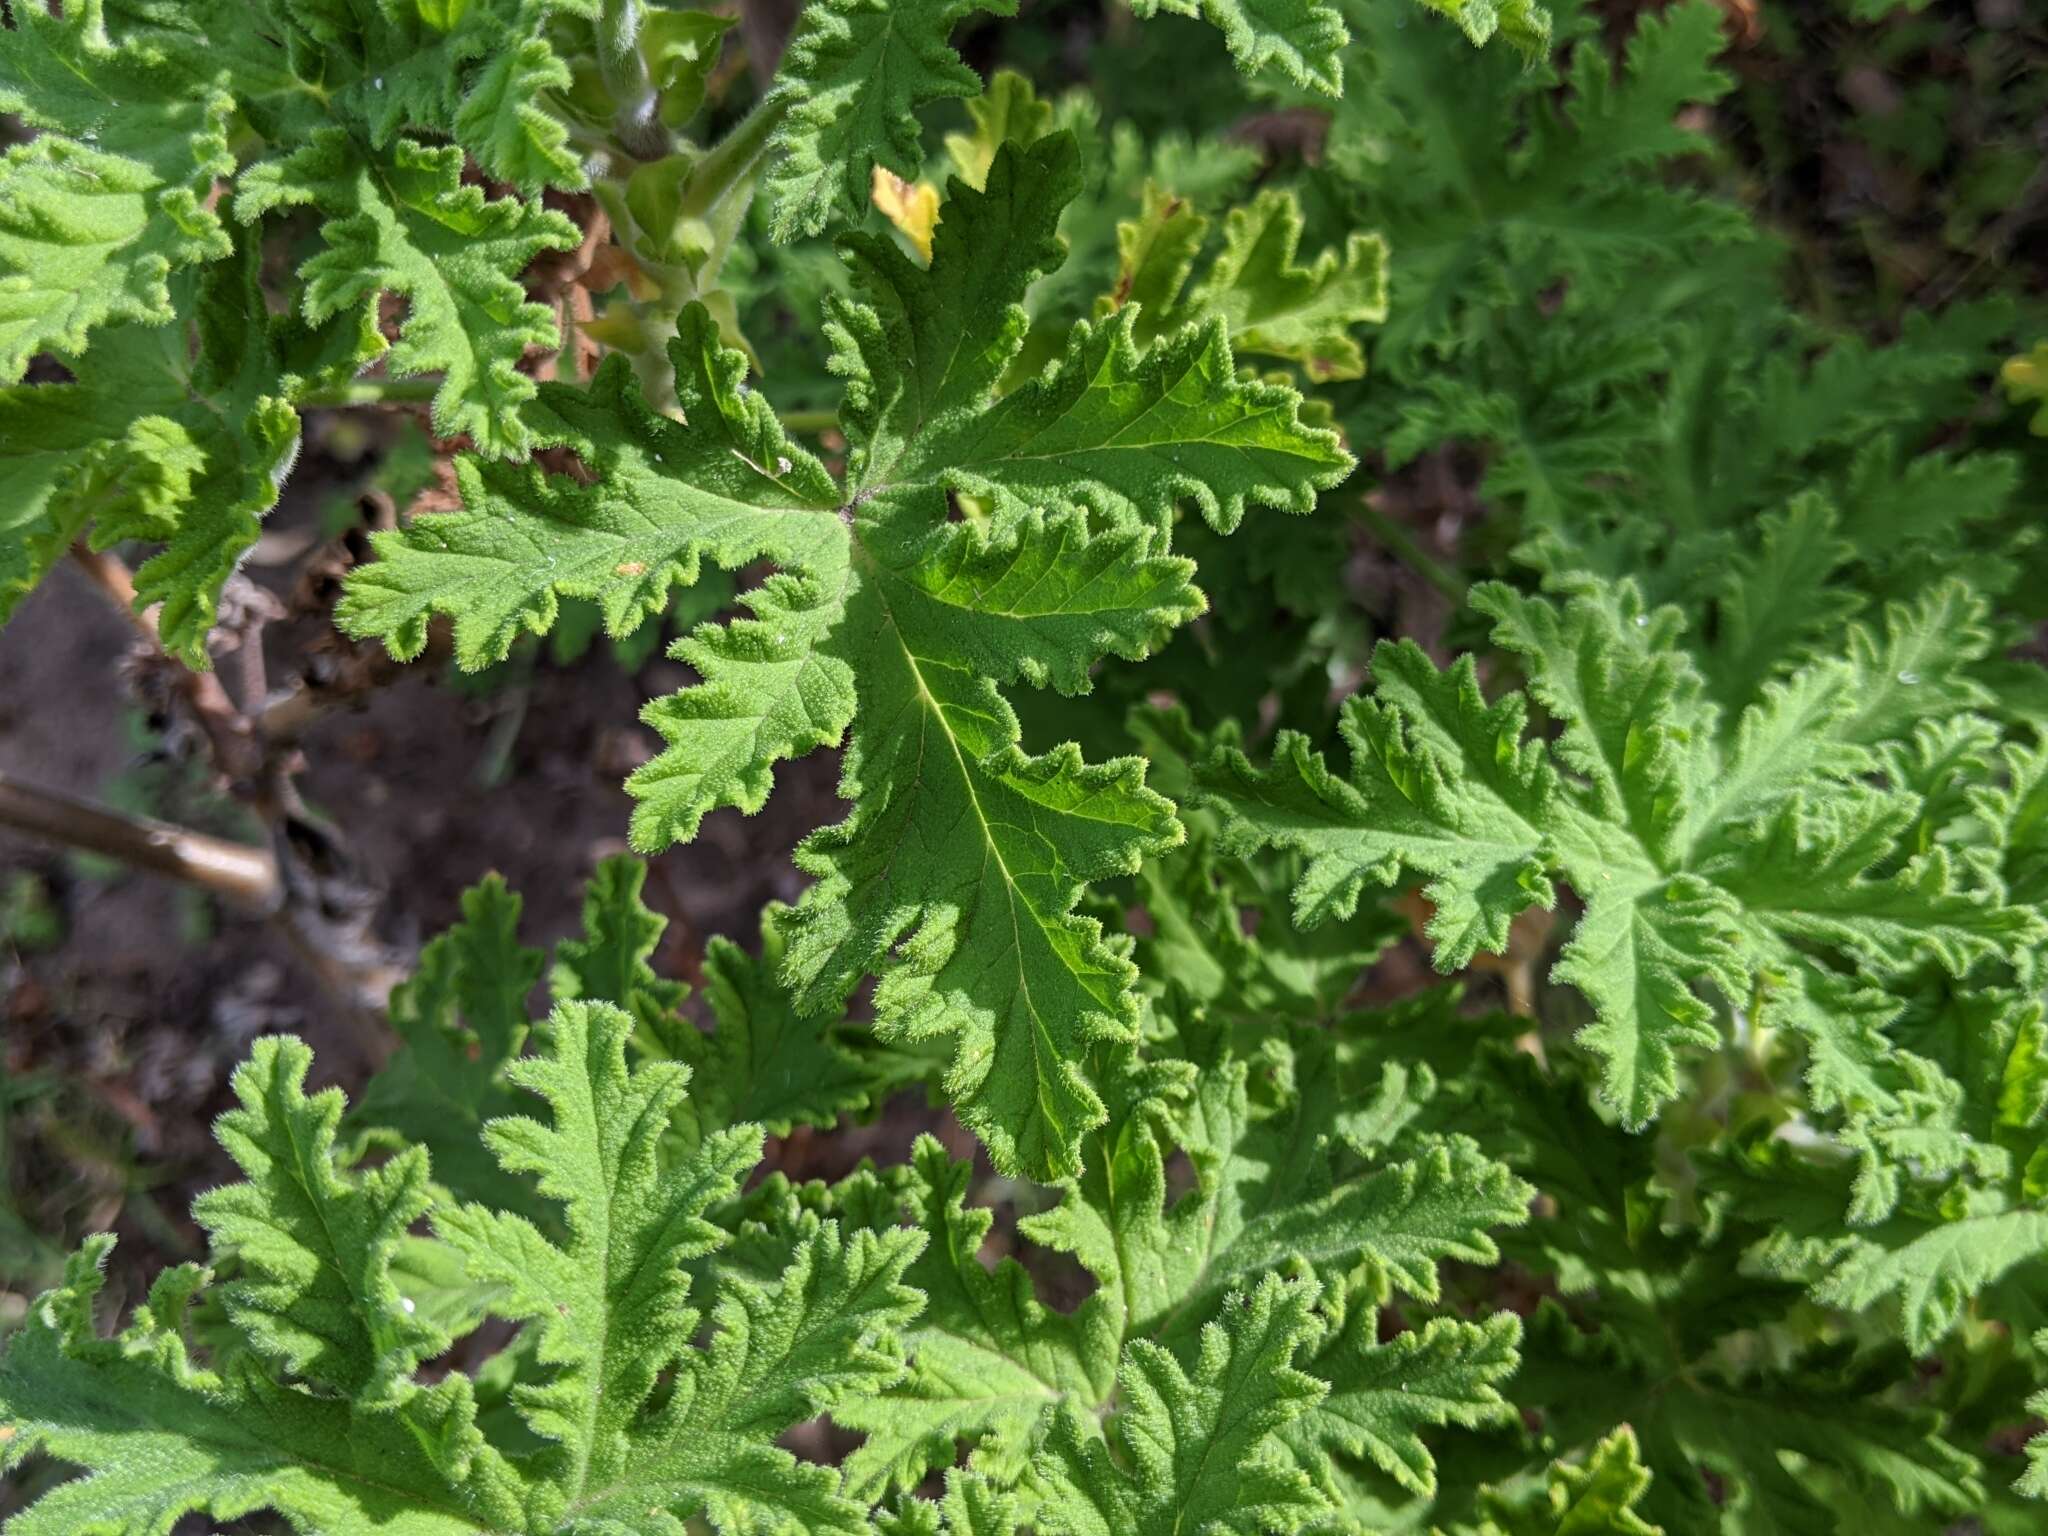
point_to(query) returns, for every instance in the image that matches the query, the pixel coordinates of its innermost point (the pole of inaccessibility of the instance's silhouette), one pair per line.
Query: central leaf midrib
(1070, 606)
(1040, 1038)
(1118, 442)
(332, 1257)
(993, 1352)
(1359, 819)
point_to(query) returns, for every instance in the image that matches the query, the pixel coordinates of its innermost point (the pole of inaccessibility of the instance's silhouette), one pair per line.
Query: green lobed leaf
(988, 1360)
(1441, 786)
(110, 199)
(1275, 307)
(461, 1019)
(315, 1248)
(610, 963)
(620, 1406)
(399, 220)
(1753, 862)
(1382, 1395)
(161, 1436)
(158, 440)
(765, 1061)
(1300, 39)
(1596, 1499)
(610, 1309)
(895, 624)
(2034, 1481)
(1283, 1183)
(850, 85)
(1195, 1444)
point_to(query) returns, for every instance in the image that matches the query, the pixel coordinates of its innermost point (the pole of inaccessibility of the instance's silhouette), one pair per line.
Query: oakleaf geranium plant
(1702, 1185)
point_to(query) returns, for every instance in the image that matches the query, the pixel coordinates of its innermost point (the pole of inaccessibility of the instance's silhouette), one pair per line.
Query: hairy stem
(290, 717)
(808, 422)
(716, 193)
(730, 165)
(638, 119)
(373, 392)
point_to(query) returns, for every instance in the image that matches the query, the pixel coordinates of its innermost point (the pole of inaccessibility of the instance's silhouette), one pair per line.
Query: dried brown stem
(352, 679)
(235, 872)
(306, 882)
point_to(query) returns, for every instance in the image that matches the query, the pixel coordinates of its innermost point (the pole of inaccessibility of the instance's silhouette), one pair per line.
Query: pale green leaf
(1276, 307)
(1382, 1395)
(612, 1316)
(162, 1437)
(1441, 786)
(610, 962)
(764, 1060)
(461, 1018)
(988, 1360)
(1596, 1499)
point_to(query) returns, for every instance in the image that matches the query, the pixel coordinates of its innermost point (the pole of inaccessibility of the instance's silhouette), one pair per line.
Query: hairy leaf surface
(954, 879)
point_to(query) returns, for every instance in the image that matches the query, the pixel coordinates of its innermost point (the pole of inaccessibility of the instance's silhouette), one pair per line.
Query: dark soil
(116, 1041)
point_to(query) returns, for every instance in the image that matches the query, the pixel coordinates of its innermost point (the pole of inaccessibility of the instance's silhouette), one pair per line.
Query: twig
(290, 717)
(255, 678)
(348, 682)
(328, 932)
(235, 872)
(306, 882)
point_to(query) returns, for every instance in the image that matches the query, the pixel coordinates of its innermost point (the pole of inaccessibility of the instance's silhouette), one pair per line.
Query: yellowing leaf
(2025, 377)
(912, 206)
